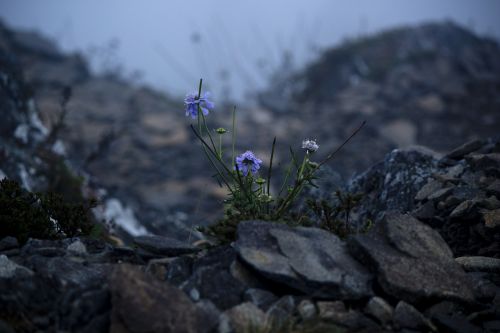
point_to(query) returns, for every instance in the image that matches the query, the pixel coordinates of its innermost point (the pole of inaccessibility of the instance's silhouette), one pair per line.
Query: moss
(25, 214)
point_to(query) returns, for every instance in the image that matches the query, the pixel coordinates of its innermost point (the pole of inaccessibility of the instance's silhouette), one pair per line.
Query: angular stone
(141, 303)
(261, 298)
(282, 310)
(77, 248)
(440, 194)
(412, 261)
(485, 161)
(406, 316)
(465, 149)
(430, 187)
(161, 245)
(465, 209)
(455, 323)
(494, 188)
(311, 260)
(337, 313)
(491, 218)
(479, 264)
(378, 308)
(9, 269)
(245, 317)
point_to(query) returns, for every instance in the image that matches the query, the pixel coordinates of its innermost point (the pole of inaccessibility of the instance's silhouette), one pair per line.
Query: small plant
(335, 217)
(25, 214)
(250, 194)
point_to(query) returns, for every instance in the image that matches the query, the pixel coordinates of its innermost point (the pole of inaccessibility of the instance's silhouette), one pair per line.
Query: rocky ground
(430, 263)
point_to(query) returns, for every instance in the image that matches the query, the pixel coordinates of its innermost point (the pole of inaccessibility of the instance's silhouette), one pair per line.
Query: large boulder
(310, 260)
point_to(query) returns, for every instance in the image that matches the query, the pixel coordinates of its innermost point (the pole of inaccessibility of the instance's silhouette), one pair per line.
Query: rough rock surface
(412, 261)
(308, 259)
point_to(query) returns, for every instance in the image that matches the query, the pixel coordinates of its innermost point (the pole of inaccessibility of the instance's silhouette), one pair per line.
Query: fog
(234, 45)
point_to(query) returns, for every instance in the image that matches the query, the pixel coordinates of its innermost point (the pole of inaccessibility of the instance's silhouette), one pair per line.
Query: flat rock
(141, 303)
(311, 260)
(429, 188)
(411, 261)
(161, 245)
(9, 269)
(479, 264)
(465, 149)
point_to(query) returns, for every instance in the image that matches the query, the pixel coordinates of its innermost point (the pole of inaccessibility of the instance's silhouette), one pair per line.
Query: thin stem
(233, 134)
(329, 157)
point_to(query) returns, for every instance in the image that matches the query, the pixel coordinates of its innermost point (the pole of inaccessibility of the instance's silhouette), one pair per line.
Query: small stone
(464, 209)
(8, 243)
(425, 211)
(260, 297)
(9, 269)
(246, 317)
(485, 161)
(306, 309)
(491, 218)
(440, 194)
(494, 188)
(406, 316)
(465, 149)
(479, 264)
(282, 310)
(77, 248)
(327, 310)
(431, 187)
(378, 308)
(161, 245)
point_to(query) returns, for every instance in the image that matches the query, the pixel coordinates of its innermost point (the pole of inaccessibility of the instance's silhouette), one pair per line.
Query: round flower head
(310, 145)
(192, 101)
(247, 162)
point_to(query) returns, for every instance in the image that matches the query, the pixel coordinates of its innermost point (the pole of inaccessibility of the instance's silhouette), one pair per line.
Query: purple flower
(248, 162)
(192, 101)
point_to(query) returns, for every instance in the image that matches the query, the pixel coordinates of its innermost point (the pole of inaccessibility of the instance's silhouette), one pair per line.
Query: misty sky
(234, 45)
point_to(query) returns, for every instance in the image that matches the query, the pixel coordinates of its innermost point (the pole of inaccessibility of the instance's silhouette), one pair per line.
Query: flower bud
(221, 130)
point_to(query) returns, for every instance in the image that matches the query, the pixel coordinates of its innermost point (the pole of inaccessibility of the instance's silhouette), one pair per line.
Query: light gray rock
(411, 260)
(9, 269)
(479, 264)
(311, 260)
(378, 308)
(77, 248)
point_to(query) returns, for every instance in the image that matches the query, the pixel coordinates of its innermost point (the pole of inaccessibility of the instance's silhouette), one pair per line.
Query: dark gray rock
(337, 313)
(163, 245)
(311, 260)
(411, 261)
(211, 279)
(393, 183)
(406, 316)
(142, 304)
(260, 297)
(9, 269)
(465, 149)
(282, 310)
(455, 323)
(8, 243)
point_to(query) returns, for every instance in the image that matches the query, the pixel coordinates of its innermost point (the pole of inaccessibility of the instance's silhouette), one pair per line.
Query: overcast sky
(234, 45)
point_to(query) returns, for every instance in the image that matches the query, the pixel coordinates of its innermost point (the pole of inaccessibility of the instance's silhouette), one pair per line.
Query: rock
(379, 309)
(282, 310)
(245, 317)
(9, 269)
(455, 323)
(179, 270)
(406, 316)
(465, 149)
(142, 304)
(306, 309)
(430, 187)
(440, 194)
(393, 183)
(353, 320)
(161, 245)
(211, 279)
(425, 211)
(494, 188)
(311, 260)
(485, 161)
(263, 299)
(464, 210)
(479, 264)
(411, 261)
(8, 243)
(77, 248)
(491, 218)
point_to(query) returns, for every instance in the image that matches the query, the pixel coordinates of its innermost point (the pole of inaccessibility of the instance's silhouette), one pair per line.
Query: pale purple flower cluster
(192, 101)
(248, 162)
